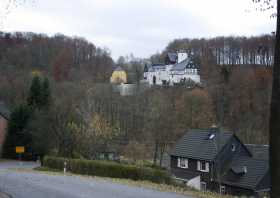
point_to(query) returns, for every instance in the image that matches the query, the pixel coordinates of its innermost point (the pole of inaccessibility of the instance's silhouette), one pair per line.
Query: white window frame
(179, 162)
(199, 166)
(223, 190)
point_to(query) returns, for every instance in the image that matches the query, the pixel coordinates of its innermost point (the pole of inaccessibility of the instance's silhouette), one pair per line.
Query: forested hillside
(39, 51)
(59, 57)
(84, 116)
(236, 73)
(255, 50)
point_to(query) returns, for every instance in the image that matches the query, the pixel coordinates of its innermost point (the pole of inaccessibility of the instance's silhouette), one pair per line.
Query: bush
(108, 169)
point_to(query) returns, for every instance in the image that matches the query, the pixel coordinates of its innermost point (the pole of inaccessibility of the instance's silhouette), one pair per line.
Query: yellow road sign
(20, 149)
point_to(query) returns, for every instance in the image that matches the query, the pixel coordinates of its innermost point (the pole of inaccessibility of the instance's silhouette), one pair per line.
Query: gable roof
(255, 171)
(4, 111)
(118, 68)
(259, 151)
(158, 66)
(185, 64)
(199, 144)
(172, 57)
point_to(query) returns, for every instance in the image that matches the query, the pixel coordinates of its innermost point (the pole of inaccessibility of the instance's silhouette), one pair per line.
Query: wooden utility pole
(274, 123)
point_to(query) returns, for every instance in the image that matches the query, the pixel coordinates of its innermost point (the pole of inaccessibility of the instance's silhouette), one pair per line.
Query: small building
(119, 76)
(4, 117)
(178, 68)
(216, 160)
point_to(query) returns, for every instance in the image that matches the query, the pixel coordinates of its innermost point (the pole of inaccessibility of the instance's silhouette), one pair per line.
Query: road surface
(24, 183)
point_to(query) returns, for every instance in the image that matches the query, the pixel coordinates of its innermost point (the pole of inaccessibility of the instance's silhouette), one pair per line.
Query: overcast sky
(141, 27)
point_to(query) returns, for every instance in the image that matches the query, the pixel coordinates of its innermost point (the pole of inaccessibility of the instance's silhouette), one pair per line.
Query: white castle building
(178, 68)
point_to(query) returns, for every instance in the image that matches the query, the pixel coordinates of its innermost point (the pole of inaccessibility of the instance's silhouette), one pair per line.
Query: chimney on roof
(213, 132)
(245, 169)
(214, 128)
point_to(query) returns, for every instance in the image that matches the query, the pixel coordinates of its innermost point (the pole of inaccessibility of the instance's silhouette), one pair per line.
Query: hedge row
(108, 169)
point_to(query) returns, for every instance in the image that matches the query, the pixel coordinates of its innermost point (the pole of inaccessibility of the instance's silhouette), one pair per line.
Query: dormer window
(233, 147)
(183, 163)
(211, 136)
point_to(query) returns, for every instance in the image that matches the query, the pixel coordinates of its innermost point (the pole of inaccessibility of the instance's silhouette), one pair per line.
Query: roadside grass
(142, 183)
(46, 169)
(3, 160)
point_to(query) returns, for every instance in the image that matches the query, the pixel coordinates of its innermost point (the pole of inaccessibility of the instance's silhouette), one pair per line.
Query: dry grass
(167, 188)
(143, 184)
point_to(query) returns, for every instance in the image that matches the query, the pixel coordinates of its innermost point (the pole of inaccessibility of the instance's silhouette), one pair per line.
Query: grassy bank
(125, 174)
(143, 184)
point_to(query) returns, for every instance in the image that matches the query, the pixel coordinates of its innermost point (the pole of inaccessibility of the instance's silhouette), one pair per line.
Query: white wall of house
(160, 75)
(170, 77)
(182, 56)
(194, 183)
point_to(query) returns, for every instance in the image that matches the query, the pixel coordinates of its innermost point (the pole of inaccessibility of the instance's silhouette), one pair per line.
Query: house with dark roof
(178, 68)
(259, 151)
(216, 160)
(4, 117)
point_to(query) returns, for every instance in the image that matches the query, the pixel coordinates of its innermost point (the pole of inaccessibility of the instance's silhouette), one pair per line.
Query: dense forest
(237, 74)
(257, 50)
(59, 55)
(83, 115)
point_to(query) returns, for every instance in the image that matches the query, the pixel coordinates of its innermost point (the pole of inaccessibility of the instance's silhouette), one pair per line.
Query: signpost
(19, 151)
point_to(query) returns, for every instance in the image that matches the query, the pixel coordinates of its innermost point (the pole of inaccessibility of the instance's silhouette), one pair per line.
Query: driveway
(24, 183)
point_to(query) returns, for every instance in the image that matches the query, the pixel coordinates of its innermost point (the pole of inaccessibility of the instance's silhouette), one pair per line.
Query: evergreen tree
(45, 93)
(35, 93)
(39, 93)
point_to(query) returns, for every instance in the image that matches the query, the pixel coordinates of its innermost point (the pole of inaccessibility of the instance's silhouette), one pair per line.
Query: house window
(203, 166)
(203, 186)
(183, 162)
(111, 156)
(222, 190)
(101, 156)
(233, 147)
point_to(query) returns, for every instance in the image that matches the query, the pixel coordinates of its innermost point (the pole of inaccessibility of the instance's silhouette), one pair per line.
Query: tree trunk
(155, 153)
(275, 117)
(162, 150)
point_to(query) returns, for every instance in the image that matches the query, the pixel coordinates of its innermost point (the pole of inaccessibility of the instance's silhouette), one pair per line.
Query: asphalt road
(24, 183)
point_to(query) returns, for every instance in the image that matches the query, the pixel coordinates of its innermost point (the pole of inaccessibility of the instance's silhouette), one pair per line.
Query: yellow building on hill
(118, 76)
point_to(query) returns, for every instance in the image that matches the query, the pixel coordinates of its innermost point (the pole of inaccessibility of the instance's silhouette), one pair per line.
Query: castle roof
(119, 68)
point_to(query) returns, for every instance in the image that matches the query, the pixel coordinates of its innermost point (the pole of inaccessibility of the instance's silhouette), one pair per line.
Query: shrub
(108, 169)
